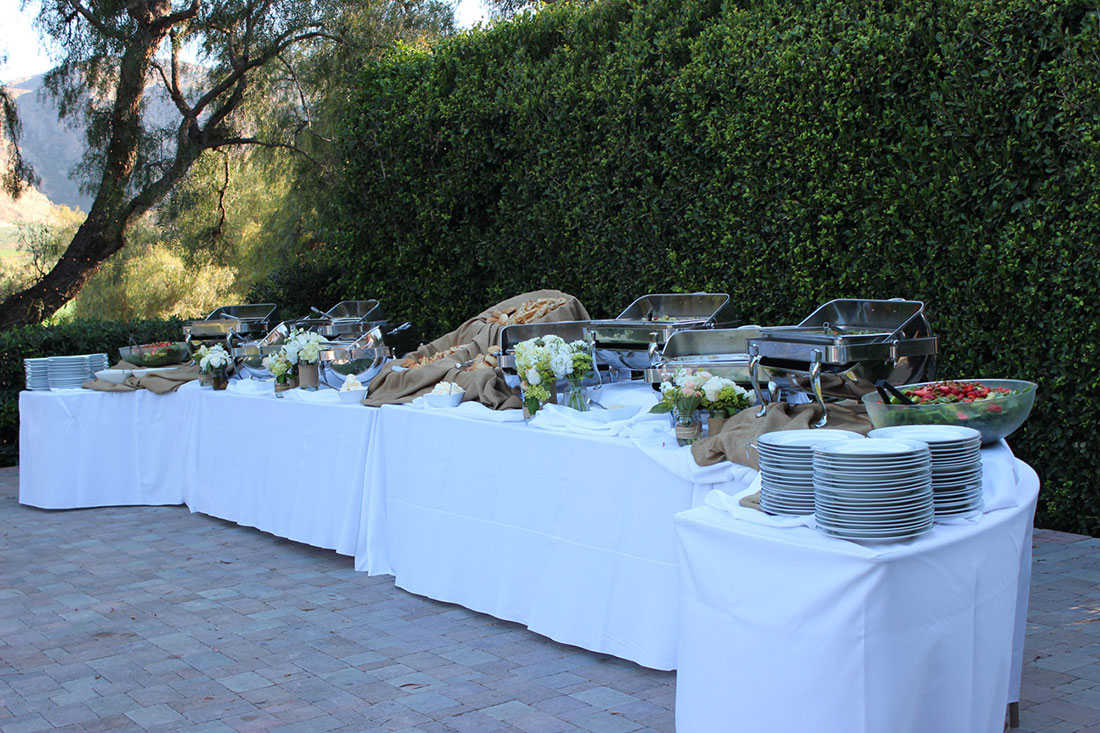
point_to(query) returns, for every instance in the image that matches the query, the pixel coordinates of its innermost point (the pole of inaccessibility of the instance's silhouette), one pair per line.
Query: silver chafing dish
(724, 352)
(347, 319)
(362, 357)
(844, 347)
(633, 339)
(227, 322)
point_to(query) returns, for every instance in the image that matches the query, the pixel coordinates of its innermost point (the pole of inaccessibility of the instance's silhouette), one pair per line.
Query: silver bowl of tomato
(995, 407)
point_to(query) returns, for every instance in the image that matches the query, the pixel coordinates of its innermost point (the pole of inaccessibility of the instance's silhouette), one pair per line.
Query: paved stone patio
(154, 618)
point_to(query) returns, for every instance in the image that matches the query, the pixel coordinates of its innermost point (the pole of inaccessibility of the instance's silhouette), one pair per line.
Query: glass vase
(281, 387)
(688, 426)
(206, 380)
(308, 377)
(575, 395)
(219, 379)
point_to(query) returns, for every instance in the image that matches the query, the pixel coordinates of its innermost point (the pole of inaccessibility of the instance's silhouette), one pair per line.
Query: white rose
(533, 376)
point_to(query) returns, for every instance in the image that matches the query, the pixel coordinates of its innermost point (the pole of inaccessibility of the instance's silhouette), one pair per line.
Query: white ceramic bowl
(444, 400)
(114, 376)
(352, 396)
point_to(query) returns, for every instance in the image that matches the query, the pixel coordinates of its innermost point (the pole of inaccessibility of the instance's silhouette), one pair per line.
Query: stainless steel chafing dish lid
(844, 331)
(358, 310)
(239, 319)
(669, 312)
(721, 351)
(511, 335)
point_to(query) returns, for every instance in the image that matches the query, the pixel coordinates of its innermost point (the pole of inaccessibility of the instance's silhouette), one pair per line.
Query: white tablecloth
(79, 448)
(294, 467)
(785, 629)
(570, 535)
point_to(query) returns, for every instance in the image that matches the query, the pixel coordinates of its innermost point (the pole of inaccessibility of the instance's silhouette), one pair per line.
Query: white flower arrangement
(280, 367)
(722, 397)
(215, 358)
(302, 346)
(541, 361)
(683, 394)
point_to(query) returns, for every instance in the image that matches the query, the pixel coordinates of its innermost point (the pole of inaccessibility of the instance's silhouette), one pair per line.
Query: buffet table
(568, 534)
(567, 528)
(81, 448)
(784, 628)
(293, 467)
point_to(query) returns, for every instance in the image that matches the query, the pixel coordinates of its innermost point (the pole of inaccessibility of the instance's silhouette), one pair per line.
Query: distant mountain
(54, 148)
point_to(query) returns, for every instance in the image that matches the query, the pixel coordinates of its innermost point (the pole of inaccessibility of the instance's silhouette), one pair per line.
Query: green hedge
(72, 337)
(785, 152)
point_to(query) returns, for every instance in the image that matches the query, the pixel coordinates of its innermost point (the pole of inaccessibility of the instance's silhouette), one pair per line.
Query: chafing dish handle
(754, 377)
(403, 327)
(653, 346)
(815, 385)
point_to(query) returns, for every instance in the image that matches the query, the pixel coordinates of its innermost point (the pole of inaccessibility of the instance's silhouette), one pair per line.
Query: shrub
(785, 152)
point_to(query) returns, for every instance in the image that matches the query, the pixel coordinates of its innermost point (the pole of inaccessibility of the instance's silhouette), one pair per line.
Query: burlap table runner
(394, 385)
(741, 430)
(166, 379)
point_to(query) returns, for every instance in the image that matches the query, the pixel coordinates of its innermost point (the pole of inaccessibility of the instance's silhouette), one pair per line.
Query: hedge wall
(785, 152)
(73, 337)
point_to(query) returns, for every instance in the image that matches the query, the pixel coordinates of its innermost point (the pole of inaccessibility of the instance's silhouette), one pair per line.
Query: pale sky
(26, 56)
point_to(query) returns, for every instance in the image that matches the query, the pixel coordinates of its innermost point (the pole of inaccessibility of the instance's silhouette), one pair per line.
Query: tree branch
(174, 18)
(247, 65)
(91, 18)
(222, 142)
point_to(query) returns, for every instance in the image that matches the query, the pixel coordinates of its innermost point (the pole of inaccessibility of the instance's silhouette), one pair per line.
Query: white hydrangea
(714, 385)
(216, 357)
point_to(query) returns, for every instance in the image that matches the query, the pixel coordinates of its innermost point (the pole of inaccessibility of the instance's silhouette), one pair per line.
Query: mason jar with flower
(285, 373)
(303, 350)
(581, 366)
(215, 363)
(681, 397)
(722, 399)
(537, 380)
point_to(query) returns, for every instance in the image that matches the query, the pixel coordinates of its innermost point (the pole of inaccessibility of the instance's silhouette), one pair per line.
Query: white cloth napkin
(473, 410)
(249, 387)
(732, 506)
(322, 396)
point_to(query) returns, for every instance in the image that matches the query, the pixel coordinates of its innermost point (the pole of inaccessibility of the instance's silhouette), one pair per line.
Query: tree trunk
(102, 233)
(89, 248)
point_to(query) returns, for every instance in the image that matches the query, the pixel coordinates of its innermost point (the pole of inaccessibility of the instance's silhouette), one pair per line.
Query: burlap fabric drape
(163, 381)
(742, 430)
(394, 385)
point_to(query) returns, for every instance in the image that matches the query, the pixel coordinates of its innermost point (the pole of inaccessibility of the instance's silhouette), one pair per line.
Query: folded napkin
(320, 396)
(742, 506)
(252, 387)
(473, 410)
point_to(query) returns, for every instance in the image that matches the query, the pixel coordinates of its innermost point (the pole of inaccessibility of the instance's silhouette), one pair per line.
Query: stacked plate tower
(956, 464)
(62, 372)
(787, 470)
(876, 489)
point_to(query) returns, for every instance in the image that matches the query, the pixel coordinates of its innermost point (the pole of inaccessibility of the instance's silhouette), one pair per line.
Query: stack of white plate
(63, 372)
(38, 373)
(956, 464)
(786, 468)
(875, 489)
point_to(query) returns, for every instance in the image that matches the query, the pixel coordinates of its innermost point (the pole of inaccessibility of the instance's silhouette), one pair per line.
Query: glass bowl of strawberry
(995, 407)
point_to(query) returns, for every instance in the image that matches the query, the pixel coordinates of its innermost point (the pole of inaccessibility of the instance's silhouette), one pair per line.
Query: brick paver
(153, 618)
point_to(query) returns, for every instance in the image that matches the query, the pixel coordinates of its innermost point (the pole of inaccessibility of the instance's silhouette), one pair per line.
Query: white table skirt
(79, 448)
(294, 468)
(790, 630)
(570, 535)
